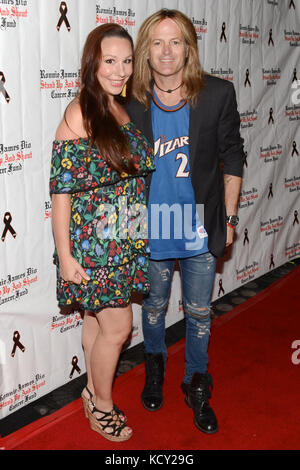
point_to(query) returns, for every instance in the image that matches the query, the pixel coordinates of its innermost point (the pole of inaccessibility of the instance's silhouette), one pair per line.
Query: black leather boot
(152, 397)
(197, 394)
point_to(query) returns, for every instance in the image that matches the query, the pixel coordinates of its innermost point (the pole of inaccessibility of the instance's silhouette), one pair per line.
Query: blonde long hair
(193, 80)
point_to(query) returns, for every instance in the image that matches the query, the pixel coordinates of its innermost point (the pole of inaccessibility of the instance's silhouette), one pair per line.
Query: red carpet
(255, 397)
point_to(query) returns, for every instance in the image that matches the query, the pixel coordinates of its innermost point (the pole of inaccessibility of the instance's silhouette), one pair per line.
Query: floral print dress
(108, 226)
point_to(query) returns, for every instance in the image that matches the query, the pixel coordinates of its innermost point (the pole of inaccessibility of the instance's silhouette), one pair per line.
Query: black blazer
(215, 146)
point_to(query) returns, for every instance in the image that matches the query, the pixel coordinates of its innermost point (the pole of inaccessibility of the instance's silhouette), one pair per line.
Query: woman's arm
(61, 213)
(70, 269)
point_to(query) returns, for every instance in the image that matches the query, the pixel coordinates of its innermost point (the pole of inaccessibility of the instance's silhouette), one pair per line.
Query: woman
(98, 164)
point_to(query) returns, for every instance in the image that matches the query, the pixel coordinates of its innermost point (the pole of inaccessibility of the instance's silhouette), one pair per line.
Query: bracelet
(229, 225)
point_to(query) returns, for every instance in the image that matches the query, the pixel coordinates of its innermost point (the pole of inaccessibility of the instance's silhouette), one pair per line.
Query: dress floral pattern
(108, 226)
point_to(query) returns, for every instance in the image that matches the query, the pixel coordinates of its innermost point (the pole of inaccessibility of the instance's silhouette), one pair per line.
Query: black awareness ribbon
(270, 191)
(272, 265)
(17, 344)
(2, 89)
(75, 366)
(221, 290)
(246, 239)
(296, 221)
(270, 38)
(8, 228)
(223, 35)
(295, 149)
(63, 9)
(292, 4)
(294, 75)
(271, 119)
(247, 78)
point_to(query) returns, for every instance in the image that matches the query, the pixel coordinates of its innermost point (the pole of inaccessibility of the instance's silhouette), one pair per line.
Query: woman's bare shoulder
(71, 125)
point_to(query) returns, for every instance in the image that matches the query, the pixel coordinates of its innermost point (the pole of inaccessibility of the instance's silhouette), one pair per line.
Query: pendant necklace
(160, 106)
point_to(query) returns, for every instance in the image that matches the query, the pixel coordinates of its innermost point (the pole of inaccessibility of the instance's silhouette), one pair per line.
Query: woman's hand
(72, 271)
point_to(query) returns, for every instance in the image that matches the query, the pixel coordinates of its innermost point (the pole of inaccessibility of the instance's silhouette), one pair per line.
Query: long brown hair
(193, 74)
(101, 126)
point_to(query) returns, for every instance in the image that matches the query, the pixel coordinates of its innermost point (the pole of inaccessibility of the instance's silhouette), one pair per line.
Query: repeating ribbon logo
(63, 9)
(292, 4)
(295, 75)
(2, 89)
(271, 38)
(272, 264)
(296, 221)
(8, 228)
(75, 366)
(271, 119)
(270, 190)
(246, 239)
(17, 343)
(221, 289)
(223, 35)
(295, 151)
(247, 81)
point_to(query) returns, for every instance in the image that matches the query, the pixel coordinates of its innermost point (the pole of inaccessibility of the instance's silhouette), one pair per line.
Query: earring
(123, 93)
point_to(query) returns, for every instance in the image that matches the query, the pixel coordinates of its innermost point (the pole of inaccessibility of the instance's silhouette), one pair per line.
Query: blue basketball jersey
(174, 226)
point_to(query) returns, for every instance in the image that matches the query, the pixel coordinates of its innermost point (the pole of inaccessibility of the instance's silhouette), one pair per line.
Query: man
(192, 121)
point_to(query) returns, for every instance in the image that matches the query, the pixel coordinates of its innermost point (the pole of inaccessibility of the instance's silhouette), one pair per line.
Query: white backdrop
(252, 43)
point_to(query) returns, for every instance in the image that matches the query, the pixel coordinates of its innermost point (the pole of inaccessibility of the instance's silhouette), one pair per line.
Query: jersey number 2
(181, 172)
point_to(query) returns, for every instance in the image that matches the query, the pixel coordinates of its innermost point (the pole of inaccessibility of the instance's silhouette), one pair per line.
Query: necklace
(167, 91)
(165, 109)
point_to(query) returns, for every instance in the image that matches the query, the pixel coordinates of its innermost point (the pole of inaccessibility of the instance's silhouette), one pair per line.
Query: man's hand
(230, 236)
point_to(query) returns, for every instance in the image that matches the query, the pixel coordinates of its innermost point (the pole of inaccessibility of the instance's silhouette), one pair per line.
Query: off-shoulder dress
(108, 225)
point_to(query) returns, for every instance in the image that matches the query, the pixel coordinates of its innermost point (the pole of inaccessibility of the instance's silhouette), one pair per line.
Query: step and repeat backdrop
(252, 43)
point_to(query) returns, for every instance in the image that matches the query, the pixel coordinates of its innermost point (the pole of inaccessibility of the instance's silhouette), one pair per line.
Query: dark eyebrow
(111, 55)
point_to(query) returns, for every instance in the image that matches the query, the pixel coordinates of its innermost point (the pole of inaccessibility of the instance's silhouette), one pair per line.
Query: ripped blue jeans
(197, 277)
